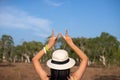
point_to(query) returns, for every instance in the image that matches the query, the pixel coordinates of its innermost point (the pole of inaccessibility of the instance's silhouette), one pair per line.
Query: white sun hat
(60, 60)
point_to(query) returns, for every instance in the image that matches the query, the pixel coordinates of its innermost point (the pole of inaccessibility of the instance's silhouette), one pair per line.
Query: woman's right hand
(52, 40)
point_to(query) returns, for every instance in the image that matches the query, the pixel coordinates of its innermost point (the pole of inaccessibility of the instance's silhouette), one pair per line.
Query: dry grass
(24, 71)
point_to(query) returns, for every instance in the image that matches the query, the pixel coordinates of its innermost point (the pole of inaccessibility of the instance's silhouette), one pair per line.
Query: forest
(102, 50)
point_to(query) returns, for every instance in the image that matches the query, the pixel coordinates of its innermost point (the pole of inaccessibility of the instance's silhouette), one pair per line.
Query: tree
(30, 49)
(17, 54)
(109, 46)
(1, 50)
(7, 44)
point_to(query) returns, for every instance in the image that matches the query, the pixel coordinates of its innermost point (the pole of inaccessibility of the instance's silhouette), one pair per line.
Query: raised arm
(42, 74)
(77, 75)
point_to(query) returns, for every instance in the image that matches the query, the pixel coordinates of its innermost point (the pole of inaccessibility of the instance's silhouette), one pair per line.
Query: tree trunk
(103, 60)
(27, 58)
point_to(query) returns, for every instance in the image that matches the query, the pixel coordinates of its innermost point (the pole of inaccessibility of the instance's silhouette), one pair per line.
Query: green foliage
(105, 45)
(6, 47)
(28, 48)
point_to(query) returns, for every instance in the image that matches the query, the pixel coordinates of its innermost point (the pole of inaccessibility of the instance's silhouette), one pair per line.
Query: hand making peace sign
(67, 38)
(52, 40)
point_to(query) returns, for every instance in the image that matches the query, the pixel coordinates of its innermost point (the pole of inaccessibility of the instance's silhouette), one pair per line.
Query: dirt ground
(25, 71)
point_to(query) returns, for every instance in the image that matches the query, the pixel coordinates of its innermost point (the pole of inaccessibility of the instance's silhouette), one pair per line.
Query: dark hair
(60, 74)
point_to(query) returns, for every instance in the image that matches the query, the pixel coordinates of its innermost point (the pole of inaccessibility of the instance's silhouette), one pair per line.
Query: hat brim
(68, 65)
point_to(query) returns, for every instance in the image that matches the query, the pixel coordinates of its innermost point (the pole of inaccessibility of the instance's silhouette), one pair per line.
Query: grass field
(25, 71)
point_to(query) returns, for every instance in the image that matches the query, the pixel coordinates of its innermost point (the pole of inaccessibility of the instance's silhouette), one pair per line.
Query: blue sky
(28, 20)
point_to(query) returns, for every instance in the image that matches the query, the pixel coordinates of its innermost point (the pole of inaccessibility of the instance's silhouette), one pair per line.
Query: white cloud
(13, 18)
(52, 3)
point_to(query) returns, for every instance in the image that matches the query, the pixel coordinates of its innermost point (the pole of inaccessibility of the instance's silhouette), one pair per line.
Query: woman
(60, 63)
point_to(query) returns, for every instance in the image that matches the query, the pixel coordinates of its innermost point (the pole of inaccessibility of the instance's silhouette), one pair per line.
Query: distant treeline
(102, 50)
